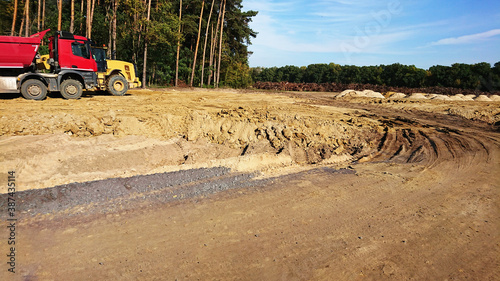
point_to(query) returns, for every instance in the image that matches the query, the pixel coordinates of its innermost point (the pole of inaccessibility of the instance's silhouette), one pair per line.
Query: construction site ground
(197, 184)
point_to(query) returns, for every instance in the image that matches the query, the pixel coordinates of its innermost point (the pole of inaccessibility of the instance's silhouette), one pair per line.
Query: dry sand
(419, 200)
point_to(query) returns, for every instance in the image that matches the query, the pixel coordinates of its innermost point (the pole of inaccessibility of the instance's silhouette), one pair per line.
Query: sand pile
(469, 97)
(397, 96)
(358, 94)
(419, 96)
(347, 92)
(416, 96)
(373, 94)
(482, 98)
(441, 97)
(458, 97)
(364, 93)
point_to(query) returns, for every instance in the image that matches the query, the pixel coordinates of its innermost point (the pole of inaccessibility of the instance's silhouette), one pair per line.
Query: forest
(182, 42)
(480, 77)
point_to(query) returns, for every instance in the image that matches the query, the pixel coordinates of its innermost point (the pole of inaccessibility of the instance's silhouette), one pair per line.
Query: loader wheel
(33, 89)
(117, 85)
(71, 89)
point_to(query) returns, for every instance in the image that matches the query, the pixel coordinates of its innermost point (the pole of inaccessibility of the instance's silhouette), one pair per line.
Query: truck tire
(71, 89)
(34, 89)
(117, 85)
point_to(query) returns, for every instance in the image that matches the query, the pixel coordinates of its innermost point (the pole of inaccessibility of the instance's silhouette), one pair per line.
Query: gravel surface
(110, 194)
(117, 194)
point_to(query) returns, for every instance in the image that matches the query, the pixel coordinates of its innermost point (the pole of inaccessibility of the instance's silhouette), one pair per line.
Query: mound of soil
(336, 87)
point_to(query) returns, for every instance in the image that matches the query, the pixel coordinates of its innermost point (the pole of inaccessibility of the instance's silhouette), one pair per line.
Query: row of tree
(480, 76)
(196, 42)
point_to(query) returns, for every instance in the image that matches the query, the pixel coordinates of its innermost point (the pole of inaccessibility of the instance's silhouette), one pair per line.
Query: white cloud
(467, 39)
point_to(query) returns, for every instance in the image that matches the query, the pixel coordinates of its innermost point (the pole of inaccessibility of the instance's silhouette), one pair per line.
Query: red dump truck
(69, 68)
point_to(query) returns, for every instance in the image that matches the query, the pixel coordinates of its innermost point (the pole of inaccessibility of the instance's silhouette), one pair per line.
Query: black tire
(71, 89)
(34, 89)
(117, 85)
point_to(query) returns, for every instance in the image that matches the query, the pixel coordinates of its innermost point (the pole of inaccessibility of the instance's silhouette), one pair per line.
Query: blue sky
(369, 32)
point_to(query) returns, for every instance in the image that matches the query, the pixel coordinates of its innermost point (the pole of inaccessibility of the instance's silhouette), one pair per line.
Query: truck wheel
(117, 85)
(71, 89)
(34, 89)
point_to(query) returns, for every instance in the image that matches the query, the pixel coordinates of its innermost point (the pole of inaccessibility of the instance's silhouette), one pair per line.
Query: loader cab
(99, 55)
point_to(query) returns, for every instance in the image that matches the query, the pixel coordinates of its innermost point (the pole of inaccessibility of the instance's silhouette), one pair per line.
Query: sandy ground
(251, 186)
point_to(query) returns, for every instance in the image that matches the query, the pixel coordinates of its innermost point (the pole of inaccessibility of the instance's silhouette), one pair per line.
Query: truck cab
(71, 60)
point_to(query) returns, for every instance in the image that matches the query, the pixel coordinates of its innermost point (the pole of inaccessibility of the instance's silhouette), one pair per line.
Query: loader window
(98, 54)
(80, 49)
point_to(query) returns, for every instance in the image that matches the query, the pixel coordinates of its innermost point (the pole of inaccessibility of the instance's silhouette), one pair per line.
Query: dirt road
(251, 186)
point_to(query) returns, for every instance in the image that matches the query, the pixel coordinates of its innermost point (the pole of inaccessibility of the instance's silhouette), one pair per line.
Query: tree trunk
(72, 22)
(205, 46)
(213, 46)
(22, 20)
(91, 18)
(27, 32)
(220, 43)
(139, 31)
(115, 9)
(178, 47)
(43, 16)
(211, 60)
(39, 15)
(81, 16)
(87, 30)
(12, 31)
(197, 44)
(110, 32)
(154, 68)
(59, 19)
(146, 49)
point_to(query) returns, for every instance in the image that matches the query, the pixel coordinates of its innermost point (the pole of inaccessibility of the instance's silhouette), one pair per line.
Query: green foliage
(44, 50)
(371, 75)
(349, 74)
(238, 75)
(315, 73)
(7, 8)
(291, 74)
(333, 72)
(480, 76)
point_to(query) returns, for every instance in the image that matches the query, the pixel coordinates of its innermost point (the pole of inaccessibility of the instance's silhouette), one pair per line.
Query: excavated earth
(191, 184)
